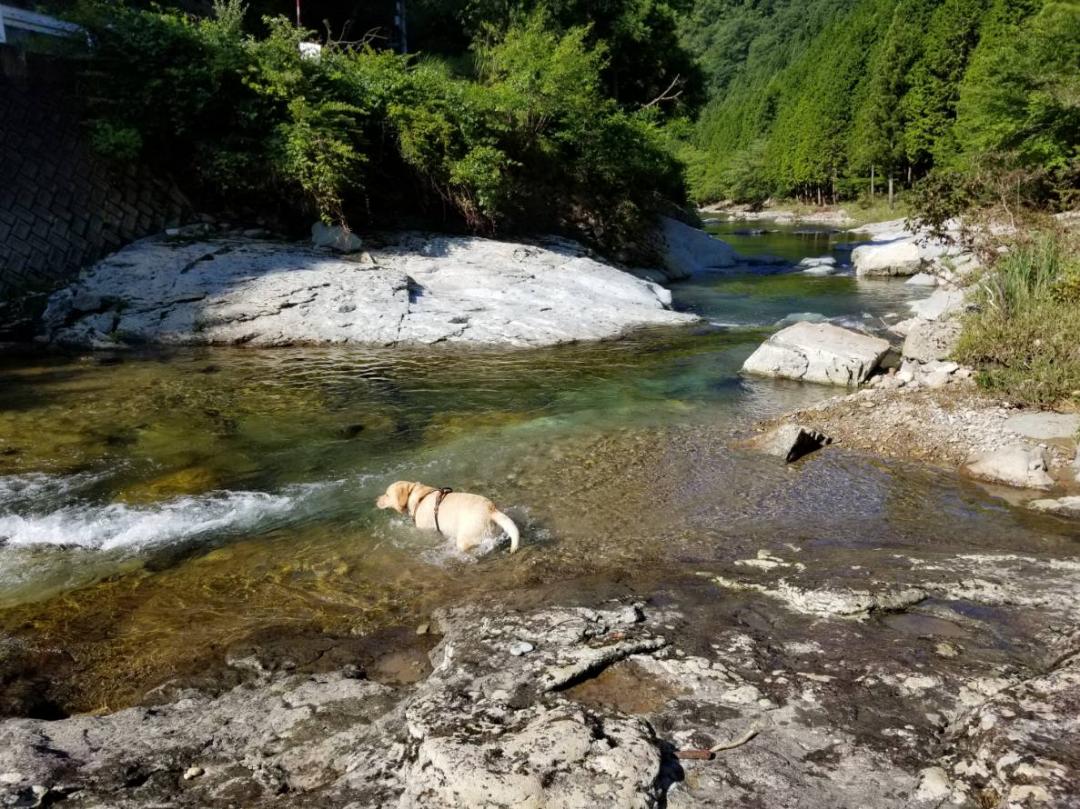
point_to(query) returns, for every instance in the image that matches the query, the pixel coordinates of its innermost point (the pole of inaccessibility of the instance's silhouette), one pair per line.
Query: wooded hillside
(811, 97)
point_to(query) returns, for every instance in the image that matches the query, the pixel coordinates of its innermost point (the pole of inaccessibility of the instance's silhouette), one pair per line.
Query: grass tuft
(1024, 337)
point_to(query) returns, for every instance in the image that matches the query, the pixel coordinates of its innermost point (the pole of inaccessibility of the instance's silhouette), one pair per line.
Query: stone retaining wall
(61, 205)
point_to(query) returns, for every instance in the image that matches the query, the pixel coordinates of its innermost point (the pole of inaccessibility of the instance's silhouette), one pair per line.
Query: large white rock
(422, 289)
(899, 257)
(687, 250)
(818, 352)
(1018, 465)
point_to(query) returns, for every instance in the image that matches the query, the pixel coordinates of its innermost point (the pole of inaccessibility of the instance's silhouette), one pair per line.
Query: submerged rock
(1063, 506)
(421, 289)
(818, 352)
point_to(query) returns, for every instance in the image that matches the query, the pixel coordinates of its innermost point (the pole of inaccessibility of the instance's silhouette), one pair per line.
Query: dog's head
(397, 496)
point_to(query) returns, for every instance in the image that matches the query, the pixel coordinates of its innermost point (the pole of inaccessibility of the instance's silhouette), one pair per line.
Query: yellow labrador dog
(465, 518)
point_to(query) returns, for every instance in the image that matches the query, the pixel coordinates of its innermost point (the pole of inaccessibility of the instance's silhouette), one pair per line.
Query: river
(157, 508)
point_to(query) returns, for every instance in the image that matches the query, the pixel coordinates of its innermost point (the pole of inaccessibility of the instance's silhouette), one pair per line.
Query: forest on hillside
(814, 98)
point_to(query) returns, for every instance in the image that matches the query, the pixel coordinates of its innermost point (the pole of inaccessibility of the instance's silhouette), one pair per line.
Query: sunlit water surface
(155, 508)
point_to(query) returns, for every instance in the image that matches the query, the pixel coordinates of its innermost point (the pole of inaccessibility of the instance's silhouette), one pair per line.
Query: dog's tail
(506, 524)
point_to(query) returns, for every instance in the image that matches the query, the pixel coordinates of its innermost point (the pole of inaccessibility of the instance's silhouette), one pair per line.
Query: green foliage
(528, 138)
(641, 38)
(1023, 335)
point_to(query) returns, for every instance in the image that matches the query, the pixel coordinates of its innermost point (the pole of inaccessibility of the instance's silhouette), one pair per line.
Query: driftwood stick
(710, 754)
(750, 733)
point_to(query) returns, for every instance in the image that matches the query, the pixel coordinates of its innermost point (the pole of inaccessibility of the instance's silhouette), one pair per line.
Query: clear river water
(157, 507)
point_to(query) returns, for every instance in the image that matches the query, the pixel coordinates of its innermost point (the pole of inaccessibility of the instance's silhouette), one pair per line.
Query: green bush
(526, 140)
(1022, 337)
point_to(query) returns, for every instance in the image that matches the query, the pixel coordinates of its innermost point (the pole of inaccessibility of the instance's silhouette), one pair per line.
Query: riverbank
(777, 668)
(853, 215)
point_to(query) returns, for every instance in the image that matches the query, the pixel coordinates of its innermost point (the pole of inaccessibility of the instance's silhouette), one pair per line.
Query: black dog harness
(439, 495)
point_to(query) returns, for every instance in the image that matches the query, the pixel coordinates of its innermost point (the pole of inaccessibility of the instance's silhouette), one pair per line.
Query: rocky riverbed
(947, 681)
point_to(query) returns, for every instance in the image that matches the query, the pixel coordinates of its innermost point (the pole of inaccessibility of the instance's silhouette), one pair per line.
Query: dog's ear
(400, 494)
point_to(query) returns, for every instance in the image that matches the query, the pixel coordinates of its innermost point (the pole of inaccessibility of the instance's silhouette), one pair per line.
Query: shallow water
(155, 508)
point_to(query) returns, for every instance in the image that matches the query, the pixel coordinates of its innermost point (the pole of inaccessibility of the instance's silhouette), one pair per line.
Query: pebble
(193, 772)
(423, 629)
(520, 648)
(933, 785)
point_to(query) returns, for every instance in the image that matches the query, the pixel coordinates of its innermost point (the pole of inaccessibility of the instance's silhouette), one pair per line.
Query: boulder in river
(821, 265)
(420, 289)
(1020, 466)
(900, 257)
(818, 352)
(687, 250)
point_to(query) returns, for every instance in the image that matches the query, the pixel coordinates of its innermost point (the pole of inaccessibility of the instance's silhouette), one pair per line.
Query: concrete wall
(61, 205)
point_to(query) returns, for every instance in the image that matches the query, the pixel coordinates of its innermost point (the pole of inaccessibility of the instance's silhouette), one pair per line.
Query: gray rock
(900, 257)
(1044, 426)
(563, 758)
(818, 352)
(687, 250)
(929, 340)
(789, 441)
(1018, 465)
(336, 238)
(941, 302)
(923, 279)
(822, 265)
(1063, 506)
(423, 289)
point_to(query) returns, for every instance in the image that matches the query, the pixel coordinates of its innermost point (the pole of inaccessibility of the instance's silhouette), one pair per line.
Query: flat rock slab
(422, 289)
(818, 352)
(1044, 426)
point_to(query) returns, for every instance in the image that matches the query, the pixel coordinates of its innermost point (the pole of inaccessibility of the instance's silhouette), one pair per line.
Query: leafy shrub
(528, 139)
